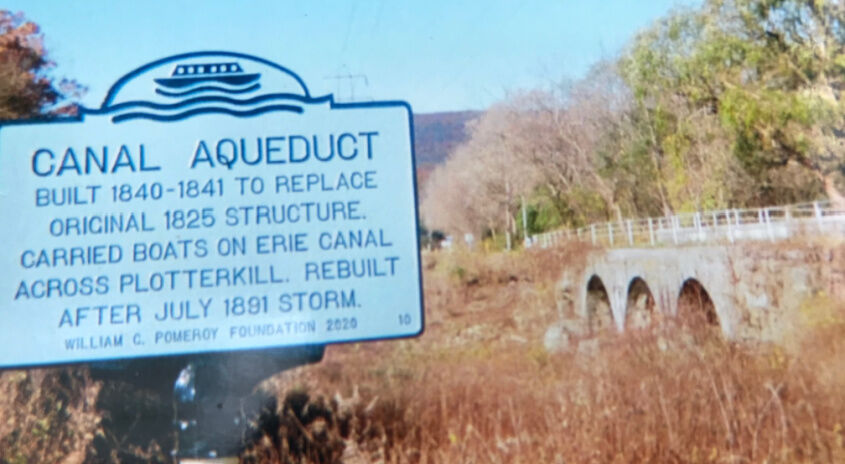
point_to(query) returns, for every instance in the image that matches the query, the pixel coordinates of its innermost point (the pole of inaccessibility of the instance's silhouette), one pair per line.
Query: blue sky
(439, 55)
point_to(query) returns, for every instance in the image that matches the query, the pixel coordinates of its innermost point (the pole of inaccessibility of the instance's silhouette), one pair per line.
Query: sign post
(210, 205)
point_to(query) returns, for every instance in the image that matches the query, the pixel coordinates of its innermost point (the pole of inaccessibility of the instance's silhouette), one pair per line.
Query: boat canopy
(209, 68)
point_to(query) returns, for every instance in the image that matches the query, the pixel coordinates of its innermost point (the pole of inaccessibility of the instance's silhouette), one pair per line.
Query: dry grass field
(479, 387)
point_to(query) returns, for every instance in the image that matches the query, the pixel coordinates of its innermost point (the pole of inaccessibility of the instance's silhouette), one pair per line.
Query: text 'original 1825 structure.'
(210, 204)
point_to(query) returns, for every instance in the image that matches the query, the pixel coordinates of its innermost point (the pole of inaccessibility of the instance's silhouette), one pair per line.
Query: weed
(477, 387)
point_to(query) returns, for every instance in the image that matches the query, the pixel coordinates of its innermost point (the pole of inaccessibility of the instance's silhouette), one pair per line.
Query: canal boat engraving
(187, 75)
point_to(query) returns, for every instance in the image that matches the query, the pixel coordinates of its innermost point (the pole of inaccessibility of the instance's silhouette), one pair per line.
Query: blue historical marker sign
(210, 204)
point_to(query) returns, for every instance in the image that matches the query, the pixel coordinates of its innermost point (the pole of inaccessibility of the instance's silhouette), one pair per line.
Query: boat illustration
(191, 85)
(185, 75)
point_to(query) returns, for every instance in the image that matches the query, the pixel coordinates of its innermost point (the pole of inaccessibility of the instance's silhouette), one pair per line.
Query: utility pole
(526, 239)
(343, 74)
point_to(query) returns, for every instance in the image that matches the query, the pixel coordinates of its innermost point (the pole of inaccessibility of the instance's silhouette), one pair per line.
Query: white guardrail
(772, 223)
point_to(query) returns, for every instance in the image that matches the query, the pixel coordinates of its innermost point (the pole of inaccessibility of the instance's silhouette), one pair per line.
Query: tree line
(736, 103)
(27, 89)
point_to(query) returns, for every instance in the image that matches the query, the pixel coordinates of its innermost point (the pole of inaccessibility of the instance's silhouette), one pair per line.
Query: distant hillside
(435, 137)
(437, 134)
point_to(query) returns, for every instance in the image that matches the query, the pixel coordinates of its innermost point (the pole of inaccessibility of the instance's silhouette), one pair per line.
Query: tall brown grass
(46, 415)
(478, 387)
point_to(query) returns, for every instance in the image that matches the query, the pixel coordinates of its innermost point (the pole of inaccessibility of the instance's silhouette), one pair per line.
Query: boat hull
(182, 82)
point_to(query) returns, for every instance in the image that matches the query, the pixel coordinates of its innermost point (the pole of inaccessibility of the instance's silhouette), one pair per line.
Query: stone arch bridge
(750, 291)
(630, 288)
(749, 277)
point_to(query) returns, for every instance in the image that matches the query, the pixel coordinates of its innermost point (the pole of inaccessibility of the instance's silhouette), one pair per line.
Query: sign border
(328, 98)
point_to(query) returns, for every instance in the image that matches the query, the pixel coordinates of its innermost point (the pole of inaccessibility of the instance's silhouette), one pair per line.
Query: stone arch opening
(695, 307)
(639, 309)
(599, 315)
